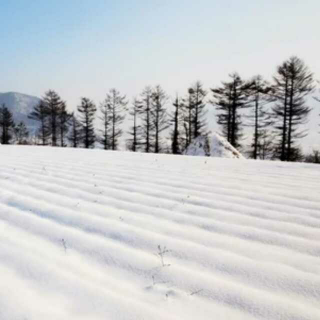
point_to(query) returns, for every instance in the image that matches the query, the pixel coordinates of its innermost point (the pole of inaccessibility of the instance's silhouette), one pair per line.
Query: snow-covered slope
(80, 230)
(20, 105)
(213, 146)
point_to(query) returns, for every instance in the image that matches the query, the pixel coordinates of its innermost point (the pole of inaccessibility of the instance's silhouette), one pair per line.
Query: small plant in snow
(64, 245)
(161, 253)
(195, 292)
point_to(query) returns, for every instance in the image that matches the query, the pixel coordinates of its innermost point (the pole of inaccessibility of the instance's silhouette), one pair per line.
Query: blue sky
(83, 48)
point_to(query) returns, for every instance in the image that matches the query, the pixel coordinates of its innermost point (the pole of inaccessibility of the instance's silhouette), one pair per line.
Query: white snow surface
(213, 146)
(80, 230)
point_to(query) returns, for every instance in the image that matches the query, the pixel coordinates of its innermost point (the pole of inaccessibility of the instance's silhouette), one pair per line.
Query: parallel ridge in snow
(213, 146)
(80, 233)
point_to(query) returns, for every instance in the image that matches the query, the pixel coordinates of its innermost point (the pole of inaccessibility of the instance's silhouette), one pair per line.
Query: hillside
(80, 232)
(20, 105)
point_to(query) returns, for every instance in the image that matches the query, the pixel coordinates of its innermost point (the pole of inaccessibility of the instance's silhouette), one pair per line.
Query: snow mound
(96, 235)
(213, 146)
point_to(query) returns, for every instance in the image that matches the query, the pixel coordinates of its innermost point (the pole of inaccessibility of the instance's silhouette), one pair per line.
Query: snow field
(80, 230)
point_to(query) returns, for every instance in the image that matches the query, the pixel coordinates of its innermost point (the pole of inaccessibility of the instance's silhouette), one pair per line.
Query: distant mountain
(20, 105)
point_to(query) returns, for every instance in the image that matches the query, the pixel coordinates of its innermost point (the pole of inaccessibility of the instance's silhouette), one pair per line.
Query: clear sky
(83, 48)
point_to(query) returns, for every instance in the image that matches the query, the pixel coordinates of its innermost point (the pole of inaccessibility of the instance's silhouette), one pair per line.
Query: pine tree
(63, 123)
(6, 125)
(197, 95)
(21, 133)
(116, 105)
(105, 118)
(188, 115)
(292, 83)
(146, 119)
(75, 133)
(158, 116)
(87, 110)
(135, 132)
(53, 105)
(40, 114)
(259, 118)
(176, 123)
(229, 99)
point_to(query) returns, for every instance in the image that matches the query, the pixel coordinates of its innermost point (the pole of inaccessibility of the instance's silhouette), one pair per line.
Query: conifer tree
(7, 125)
(198, 120)
(116, 105)
(293, 82)
(75, 131)
(229, 99)
(135, 132)
(63, 123)
(40, 114)
(53, 105)
(259, 118)
(158, 116)
(105, 138)
(21, 133)
(87, 110)
(147, 126)
(176, 123)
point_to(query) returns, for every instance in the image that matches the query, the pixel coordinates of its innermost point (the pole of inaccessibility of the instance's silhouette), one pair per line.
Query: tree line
(275, 113)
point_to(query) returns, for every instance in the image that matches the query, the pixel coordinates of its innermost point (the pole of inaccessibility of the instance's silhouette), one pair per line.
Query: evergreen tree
(87, 110)
(197, 96)
(176, 122)
(229, 99)
(75, 133)
(259, 118)
(266, 147)
(158, 116)
(146, 119)
(292, 83)
(40, 114)
(188, 112)
(6, 125)
(63, 123)
(135, 132)
(53, 105)
(21, 133)
(116, 105)
(313, 157)
(105, 117)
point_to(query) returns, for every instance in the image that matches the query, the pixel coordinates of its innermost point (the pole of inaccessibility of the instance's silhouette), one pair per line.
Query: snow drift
(213, 146)
(96, 235)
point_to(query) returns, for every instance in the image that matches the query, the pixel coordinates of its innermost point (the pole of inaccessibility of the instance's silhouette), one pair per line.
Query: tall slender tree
(87, 110)
(106, 119)
(7, 125)
(134, 141)
(147, 125)
(229, 99)
(293, 82)
(75, 134)
(259, 118)
(21, 133)
(159, 115)
(40, 114)
(64, 118)
(197, 95)
(176, 123)
(116, 104)
(53, 105)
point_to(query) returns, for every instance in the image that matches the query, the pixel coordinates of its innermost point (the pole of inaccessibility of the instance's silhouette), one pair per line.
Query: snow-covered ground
(80, 232)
